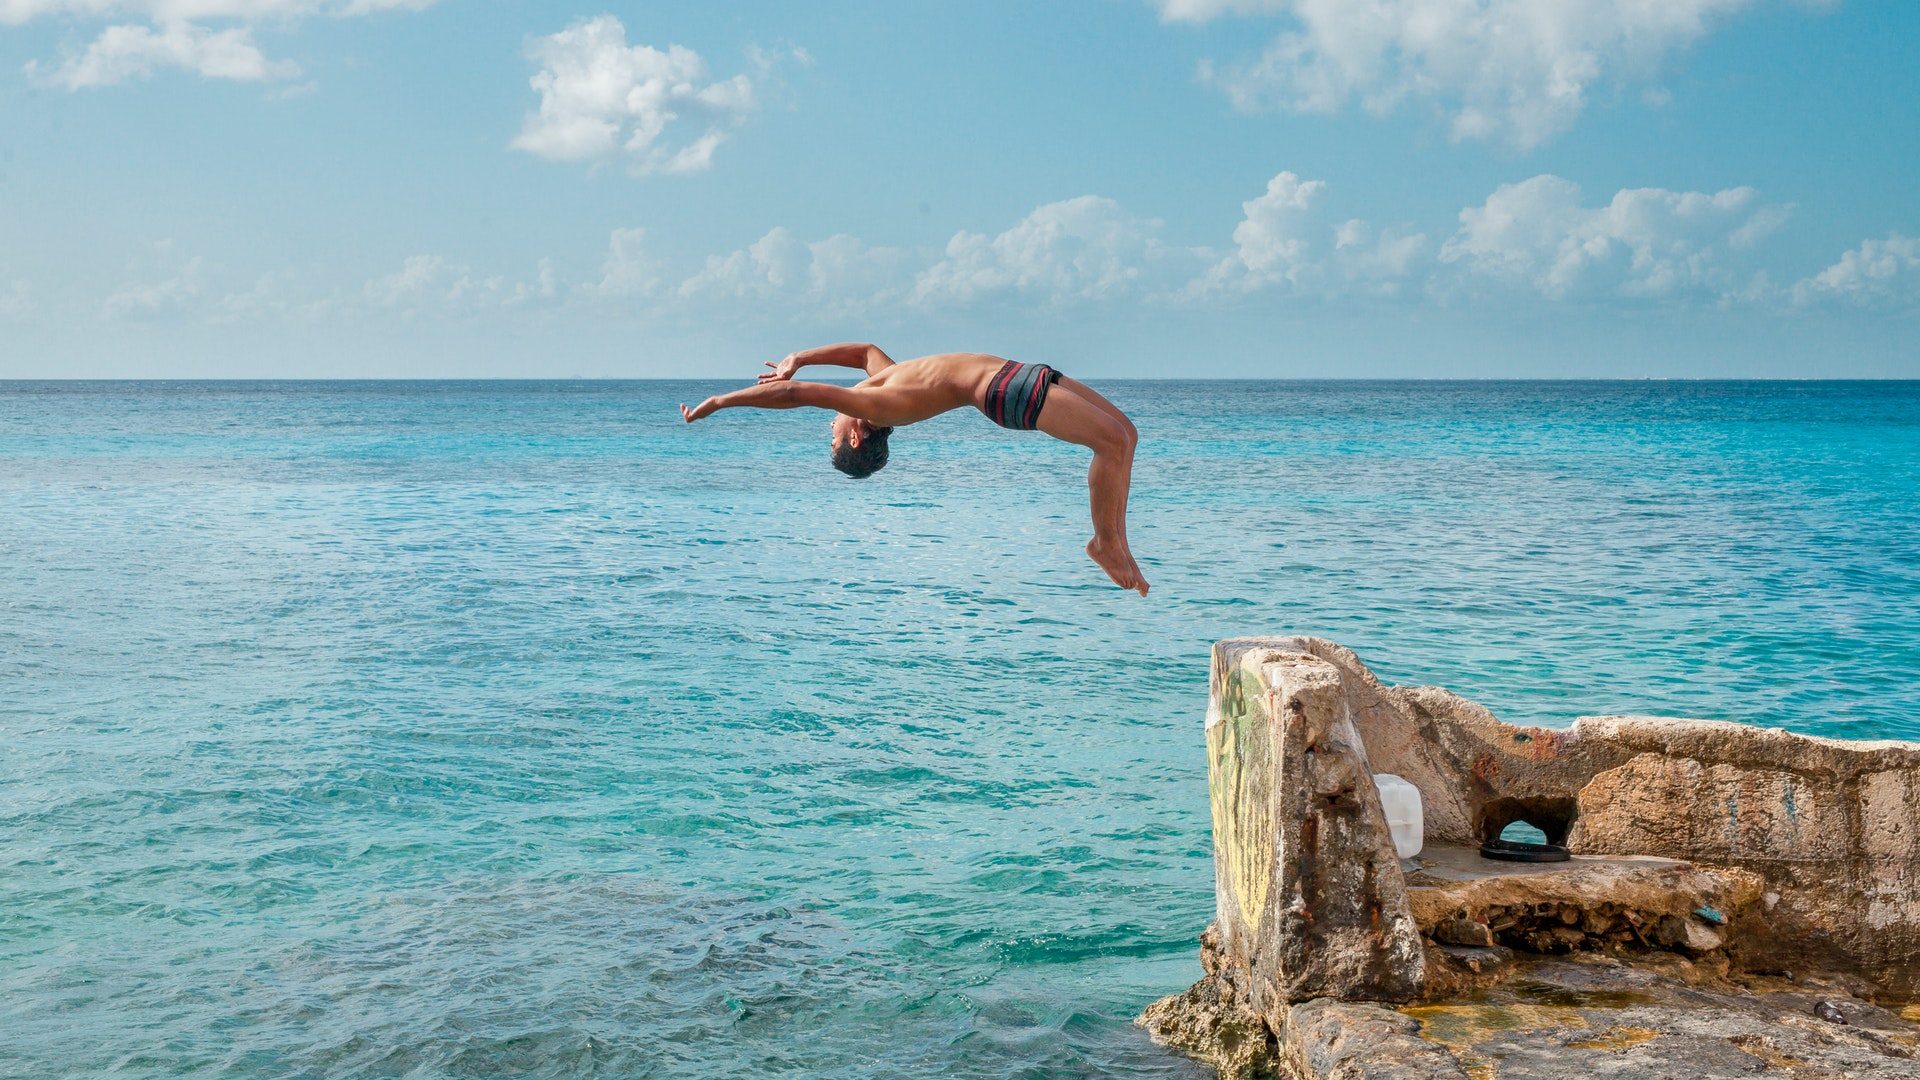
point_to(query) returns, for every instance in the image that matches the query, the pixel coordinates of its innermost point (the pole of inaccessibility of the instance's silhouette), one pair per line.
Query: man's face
(848, 431)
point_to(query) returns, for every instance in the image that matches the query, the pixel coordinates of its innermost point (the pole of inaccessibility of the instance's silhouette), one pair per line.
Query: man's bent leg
(1072, 418)
(1093, 397)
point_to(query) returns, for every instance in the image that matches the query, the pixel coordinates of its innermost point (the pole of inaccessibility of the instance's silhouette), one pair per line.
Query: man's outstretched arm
(790, 395)
(853, 354)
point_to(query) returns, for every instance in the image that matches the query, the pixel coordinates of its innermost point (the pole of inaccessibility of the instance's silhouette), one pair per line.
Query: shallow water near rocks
(516, 729)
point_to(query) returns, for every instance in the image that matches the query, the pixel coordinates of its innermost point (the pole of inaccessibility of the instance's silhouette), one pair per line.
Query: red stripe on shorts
(997, 392)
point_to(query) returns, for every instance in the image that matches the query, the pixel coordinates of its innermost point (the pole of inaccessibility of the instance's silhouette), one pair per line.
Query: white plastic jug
(1405, 818)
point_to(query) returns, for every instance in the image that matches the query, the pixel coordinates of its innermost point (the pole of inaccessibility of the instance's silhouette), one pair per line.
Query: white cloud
(1378, 259)
(134, 52)
(1536, 237)
(630, 268)
(774, 265)
(1273, 242)
(1764, 223)
(1087, 248)
(1285, 240)
(841, 275)
(177, 37)
(273, 295)
(1269, 236)
(1520, 71)
(1877, 273)
(1645, 242)
(601, 99)
(175, 283)
(160, 297)
(850, 276)
(545, 284)
(168, 284)
(426, 283)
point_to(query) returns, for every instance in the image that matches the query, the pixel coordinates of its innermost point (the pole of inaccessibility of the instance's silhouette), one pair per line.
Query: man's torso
(930, 385)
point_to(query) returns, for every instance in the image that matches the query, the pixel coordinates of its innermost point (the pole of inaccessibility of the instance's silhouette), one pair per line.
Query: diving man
(1019, 396)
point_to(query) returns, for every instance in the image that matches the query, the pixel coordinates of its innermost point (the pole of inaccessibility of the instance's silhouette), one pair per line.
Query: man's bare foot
(1118, 564)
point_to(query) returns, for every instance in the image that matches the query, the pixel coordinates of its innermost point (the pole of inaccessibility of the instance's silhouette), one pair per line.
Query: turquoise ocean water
(516, 729)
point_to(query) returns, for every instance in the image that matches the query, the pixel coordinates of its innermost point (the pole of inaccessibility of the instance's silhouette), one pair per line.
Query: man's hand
(783, 370)
(699, 411)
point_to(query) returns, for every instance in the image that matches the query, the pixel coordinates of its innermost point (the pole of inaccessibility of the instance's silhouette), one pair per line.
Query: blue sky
(1262, 188)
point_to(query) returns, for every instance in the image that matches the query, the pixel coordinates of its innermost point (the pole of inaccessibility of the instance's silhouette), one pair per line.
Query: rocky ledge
(1581, 1015)
(1741, 901)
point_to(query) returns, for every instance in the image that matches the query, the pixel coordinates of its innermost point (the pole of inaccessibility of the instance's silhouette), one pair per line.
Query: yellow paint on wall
(1240, 780)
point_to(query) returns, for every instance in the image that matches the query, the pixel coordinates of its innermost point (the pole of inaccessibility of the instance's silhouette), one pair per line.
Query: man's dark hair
(867, 458)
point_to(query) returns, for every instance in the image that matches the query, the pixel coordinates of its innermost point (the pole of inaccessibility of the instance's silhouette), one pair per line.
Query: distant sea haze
(520, 728)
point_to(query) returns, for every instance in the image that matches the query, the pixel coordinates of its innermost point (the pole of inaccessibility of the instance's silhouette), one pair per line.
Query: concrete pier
(1721, 874)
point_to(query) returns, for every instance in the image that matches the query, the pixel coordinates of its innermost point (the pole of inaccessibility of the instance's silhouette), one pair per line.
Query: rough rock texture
(1321, 1038)
(1832, 827)
(1557, 1018)
(1358, 1040)
(1594, 1016)
(1590, 902)
(1211, 1024)
(1311, 901)
(1716, 864)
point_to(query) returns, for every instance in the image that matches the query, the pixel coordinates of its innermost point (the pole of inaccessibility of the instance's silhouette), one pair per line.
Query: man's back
(938, 383)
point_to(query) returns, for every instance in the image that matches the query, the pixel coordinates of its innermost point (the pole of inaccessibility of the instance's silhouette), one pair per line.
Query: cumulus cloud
(273, 295)
(164, 281)
(840, 275)
(135, 52)
(176, 36)
(433, 283)
(850, 276)
(1285, 240)
(168, 284)
(1518, 71)
(1536, 238)
(1877, 273)
(1271, 236)
(1087, 248)
(774, 265)
(1381, 258)
(630, 269)
(1645, 242)
(602, 99)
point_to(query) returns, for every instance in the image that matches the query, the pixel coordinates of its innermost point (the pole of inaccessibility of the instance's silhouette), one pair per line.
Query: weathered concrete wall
(1833, 826)
(1312, 902)
(1311, 899)
(1712, 860)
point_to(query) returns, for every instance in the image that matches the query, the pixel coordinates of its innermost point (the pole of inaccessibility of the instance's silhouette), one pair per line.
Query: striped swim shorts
(1017, 392)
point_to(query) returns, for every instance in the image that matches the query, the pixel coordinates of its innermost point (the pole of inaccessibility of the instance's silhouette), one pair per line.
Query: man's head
(859, 448)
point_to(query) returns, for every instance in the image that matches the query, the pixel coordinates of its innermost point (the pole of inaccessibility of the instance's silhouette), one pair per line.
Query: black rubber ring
(1517, 851)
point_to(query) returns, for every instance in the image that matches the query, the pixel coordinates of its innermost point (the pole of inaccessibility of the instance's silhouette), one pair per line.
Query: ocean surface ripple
(516, 729)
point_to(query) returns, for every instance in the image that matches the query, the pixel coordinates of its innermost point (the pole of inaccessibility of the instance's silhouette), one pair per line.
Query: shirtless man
(1013, 395)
